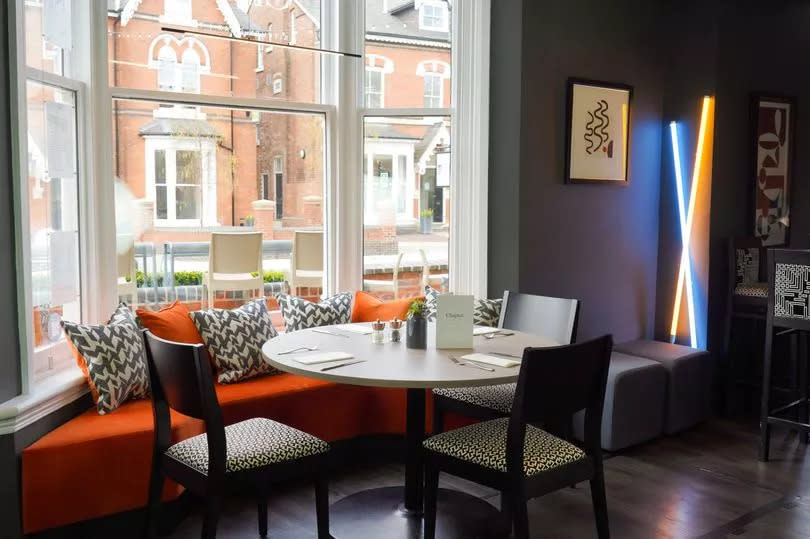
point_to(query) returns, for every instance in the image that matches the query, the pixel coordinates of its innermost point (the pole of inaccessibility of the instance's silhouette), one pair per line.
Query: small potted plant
(416, 334)
(250, 220)
(426, 221)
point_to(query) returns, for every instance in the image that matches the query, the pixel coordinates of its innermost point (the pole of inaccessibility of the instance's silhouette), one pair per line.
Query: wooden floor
(704, 483)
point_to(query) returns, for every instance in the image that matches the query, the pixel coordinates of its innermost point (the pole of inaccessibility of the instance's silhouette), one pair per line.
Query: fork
(470, 364)
(298, 349)
(490, 336)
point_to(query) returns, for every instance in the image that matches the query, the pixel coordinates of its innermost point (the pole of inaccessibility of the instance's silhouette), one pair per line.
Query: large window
(406, 193)
(206, 129)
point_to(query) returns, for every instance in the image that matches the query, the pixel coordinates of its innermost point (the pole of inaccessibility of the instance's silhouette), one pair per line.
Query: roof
(243, 19)
(427, 140)
(387, 131)
(399, 18)
(312, 8)
(178, 127)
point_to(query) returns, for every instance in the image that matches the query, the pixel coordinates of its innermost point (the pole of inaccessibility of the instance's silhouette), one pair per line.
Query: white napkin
(491, 360)
(321, 357)
(484, 330)
(355, 328)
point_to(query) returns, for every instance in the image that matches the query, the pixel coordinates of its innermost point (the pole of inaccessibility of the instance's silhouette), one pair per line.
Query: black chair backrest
(746, 258)
(555, 318)
(789, 288)
(181, 380)
(554, 384)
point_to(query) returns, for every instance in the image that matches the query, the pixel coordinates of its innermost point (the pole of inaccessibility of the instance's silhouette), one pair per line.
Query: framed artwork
(597, 132)
(773, 120)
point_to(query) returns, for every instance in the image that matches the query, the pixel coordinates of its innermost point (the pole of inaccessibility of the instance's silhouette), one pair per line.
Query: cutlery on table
(345, 364)
(327, 332)
(298, 349)
(470, 364)
(504, 354)
(490, 336)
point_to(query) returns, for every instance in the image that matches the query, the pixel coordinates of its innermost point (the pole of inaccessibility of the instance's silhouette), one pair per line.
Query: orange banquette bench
(98, 465)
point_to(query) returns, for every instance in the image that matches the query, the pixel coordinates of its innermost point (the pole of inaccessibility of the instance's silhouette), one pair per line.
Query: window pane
(185, 173)
(401, 48)
(48, 37)
(406, 204)
(146, 57)
(52, 186)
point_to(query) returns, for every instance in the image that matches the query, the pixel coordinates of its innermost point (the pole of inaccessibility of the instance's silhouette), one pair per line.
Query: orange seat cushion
(367, 308)
(107, 459)
(172, 323)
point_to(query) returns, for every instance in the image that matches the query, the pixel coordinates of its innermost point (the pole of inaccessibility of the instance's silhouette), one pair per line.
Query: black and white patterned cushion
(486, 312)
(498, 397)
(235, 338)
(792, 291)
(250, 444)
(114, 357)
(485, 444)
(755, 290)
(299, 313)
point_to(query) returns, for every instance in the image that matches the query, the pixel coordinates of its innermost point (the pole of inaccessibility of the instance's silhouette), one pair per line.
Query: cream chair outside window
(306, 262)
(428, 279)
(233, 260)
(376, 285)
(127, 278)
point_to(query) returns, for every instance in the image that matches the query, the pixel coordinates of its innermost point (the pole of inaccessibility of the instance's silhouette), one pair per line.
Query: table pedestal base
(379, 514)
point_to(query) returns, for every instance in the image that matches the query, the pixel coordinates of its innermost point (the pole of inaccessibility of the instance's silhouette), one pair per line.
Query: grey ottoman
(690, 379)
(634, 403)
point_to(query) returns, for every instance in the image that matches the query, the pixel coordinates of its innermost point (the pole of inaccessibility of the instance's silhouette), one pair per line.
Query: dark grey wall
(597, 243)
(504, 147)
(9, 359)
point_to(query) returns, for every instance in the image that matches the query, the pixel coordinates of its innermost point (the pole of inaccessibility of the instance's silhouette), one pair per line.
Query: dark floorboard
(703, 483)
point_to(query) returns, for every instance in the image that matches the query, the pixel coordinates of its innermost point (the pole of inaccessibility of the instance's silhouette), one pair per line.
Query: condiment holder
(396, 327)
(378, 332)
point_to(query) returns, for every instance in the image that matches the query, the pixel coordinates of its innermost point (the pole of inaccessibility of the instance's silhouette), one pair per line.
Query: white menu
(454, 321)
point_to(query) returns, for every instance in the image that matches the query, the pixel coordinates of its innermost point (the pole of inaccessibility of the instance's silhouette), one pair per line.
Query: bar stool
(788, 309)
(747, 303)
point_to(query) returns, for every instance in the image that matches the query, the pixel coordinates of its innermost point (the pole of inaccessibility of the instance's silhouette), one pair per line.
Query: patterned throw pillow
(235, 338)
(112, 357)
(299, 313)
(486, 312)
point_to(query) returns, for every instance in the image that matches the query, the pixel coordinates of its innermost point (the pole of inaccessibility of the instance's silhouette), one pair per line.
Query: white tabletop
(395, 365)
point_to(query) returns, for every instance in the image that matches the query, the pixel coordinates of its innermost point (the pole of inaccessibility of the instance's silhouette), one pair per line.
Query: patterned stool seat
(484, 444)
(754, 290)
(498, 397)
(250, 444)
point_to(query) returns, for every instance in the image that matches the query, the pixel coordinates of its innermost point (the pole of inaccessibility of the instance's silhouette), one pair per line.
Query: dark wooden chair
(520, 459)
(746, 303)
(246, 455)
(789, 312)
(555, 318)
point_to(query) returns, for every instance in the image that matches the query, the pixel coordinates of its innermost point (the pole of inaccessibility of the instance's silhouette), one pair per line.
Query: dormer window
(434, 16)
(178, 11)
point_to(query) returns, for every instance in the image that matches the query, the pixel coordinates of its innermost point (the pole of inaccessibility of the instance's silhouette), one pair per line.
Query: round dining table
(396, 512)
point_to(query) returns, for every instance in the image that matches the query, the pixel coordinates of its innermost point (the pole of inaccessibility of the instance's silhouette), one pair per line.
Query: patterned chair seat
(250, 444)
(484, 444)
(754, 290)
(498, 397)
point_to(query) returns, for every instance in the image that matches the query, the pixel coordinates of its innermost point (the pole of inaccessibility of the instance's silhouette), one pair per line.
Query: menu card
(454, 321)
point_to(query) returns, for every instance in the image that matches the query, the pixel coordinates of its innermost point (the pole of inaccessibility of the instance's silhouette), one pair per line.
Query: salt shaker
(396, 325)
(378, 332)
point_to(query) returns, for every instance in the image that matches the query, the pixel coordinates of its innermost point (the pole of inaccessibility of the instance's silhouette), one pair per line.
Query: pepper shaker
(396, 326)
(378, 332)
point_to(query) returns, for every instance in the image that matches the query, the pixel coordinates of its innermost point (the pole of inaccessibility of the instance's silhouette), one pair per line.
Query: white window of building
(434, 90)
(259, 57)
(433, 15)
(167, 68)
(269, 48)
(375, 88)
(293, 30)
(190, 72)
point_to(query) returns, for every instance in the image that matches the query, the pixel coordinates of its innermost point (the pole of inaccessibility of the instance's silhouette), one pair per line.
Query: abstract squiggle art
(597, 137)
(598, 131)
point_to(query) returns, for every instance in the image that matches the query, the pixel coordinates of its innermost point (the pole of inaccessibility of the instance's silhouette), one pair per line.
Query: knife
(326, 332)
(330, 367)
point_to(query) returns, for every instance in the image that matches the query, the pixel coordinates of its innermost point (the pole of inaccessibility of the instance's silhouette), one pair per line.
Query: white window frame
(293, 29)
(259, 58)
(381, 92)
(433, 77)
(343, 108)
(443, 15)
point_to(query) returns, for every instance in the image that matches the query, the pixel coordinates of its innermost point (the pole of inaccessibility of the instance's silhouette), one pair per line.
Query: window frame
(435, 78)
(343, 108)
(443, 17)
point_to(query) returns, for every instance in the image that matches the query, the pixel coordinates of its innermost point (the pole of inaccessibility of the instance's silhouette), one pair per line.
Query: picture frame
(598, 127)
(772, 142)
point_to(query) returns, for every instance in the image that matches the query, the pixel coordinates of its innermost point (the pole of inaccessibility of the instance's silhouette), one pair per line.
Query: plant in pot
(426, 221)
(416, 334)
(250, 220)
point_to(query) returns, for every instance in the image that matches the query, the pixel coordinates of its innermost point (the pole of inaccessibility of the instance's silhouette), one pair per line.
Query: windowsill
(47, 397)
